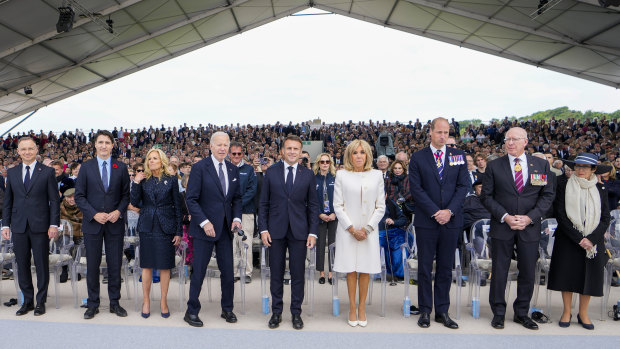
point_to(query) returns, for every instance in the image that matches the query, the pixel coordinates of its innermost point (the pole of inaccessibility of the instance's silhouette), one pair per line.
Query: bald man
(517, 189)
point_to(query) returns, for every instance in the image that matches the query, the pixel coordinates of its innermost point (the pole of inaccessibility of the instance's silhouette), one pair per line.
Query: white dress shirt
(524, 172)
(34, 163)
(443, 154)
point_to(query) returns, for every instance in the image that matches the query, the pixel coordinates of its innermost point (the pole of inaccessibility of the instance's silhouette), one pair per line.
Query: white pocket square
(234, 179)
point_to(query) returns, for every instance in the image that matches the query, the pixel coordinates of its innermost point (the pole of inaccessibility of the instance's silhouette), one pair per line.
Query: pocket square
(234, 179)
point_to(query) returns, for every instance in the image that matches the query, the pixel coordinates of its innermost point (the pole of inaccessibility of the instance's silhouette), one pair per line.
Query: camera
(264, 161)
(304, 161)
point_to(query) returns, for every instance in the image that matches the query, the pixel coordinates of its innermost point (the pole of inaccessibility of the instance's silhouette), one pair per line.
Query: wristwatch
(451, 213)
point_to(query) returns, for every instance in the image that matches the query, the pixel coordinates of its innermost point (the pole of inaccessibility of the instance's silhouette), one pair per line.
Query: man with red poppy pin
(102, 194)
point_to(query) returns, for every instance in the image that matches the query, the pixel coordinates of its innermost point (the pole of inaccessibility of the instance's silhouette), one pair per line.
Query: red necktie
(518, 176)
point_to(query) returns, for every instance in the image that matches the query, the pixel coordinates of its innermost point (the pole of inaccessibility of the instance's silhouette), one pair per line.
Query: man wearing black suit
(288, 218)
(31, 211)
(517, 190)
(438, 180)
(102, 194)
(214, 201)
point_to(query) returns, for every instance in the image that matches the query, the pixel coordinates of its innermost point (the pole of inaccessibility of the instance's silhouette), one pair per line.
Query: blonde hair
(164, 164)
(316, 167)
(612, 171)
(348, 154)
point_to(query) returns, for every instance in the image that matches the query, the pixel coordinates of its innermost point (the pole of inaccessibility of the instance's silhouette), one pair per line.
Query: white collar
(223, 162)
(32, 166)
(522, 158)
(286, 166)
(434, 150)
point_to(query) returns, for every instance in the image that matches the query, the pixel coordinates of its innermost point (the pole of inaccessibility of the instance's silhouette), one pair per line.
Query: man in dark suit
(31, 211)
(102, 194)
(214, 201)
(517, 190)
(439, 182)
(288, 218)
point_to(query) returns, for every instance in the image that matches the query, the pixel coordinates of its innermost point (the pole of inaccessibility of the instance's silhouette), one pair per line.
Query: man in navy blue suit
(438, 180)
(288, 218)
(214, 201)
(102, 194)
(32, 212)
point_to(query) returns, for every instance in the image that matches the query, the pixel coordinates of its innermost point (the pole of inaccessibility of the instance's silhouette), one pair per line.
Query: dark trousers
(202, 255)
(501, 253)
(327, 231)
(297, 267)
(36, 246)
(113, 257)
(439, 245)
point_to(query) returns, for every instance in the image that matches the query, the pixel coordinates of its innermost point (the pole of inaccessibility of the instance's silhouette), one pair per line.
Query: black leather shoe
(497, 322)
(39, 309)
(193, 320)
(322, 280)
(229, 316)
(330, 280)
(526, 322)
(118, 310)
(64, 276)
(90, 313)
(424, 320)
(236, 278)
(444, 318)
(298, 323)
(248, 279)
(26, 307)
(275, 320)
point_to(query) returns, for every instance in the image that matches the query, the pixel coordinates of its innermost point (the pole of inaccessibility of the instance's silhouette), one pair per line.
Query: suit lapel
(17, 178)
(36, 173)
(113, 173)
(229, 169)
(211, 169)
(297, 179)
(280, 175)
(431, 158)
(508, 173)
(96, 174)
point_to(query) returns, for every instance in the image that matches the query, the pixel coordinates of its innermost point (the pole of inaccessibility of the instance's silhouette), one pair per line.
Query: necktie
(104, 175)
(27, 178)
(518, 176)
(438, 155)
(289, 179)
(222, 178)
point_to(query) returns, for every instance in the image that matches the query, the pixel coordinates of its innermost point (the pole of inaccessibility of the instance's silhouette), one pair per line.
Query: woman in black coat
(156, 193)
(578, 259)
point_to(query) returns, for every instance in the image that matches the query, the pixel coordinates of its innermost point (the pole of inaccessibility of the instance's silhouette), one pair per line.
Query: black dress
(160, 220)
(570, 269)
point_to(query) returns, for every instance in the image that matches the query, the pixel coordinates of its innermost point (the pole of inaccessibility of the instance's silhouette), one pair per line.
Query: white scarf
(583, 206)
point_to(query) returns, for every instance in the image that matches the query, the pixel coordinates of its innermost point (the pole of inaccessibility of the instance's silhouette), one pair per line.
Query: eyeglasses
(139, 170)
(509, 140)
(236, 154)
(131, 175)
(325, 162)
(451, 145)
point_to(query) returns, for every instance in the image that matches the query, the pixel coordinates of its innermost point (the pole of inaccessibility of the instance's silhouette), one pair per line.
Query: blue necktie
(104, 176)
(27, 178)
(439, 163)
(222, 179)
(289, 179)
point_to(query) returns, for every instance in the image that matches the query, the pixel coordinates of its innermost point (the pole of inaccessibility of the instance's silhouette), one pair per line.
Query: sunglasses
(139, 170)
(451, 145)
(325, 162)
(236, 154)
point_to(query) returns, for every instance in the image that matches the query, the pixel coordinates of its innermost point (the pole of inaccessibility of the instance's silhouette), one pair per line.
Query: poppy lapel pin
(114, 166)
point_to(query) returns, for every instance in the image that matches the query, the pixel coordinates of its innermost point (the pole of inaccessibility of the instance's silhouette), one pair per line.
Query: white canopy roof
(577, 38)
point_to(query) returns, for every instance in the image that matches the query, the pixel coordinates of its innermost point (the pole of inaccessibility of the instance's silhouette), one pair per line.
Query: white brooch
(166, 182)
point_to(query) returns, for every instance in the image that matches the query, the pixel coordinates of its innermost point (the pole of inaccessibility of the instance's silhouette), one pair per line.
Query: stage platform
(65, 327)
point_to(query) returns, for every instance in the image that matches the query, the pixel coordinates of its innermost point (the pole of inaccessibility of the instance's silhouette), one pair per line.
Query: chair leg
(74, 285)
(209, 284)
(56, 282)
(459, 279)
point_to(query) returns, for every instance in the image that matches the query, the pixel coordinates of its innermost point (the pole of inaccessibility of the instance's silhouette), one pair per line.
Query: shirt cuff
(263, 232)
(53, 226)
(5, 227)
(316, 237)
(237, 220)
(503, 217)
(202, 225)
(369, 229)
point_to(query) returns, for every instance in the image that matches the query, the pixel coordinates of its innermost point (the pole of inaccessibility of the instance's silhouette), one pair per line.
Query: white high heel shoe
(353, 323)
(362, 323)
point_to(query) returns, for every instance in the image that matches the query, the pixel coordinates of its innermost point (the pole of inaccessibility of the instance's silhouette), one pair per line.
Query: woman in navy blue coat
(325, 174)
(156, 193)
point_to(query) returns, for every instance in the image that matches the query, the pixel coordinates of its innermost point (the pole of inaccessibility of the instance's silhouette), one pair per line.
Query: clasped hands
(103, 218)
(442, 216)
(586, 244)
(327, 217)
(517, 222)
(359, 234)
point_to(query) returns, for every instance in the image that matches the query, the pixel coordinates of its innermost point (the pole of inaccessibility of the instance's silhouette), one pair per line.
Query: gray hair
(383, 157)
(219, 134)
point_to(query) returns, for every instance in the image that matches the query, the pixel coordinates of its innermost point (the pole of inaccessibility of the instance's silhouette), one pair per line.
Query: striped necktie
(518, 176)
(438, 156)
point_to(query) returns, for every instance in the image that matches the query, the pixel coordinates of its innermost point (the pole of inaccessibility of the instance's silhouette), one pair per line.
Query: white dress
(359, 200)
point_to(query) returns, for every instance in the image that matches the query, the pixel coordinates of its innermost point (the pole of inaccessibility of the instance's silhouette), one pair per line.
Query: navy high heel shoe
(586, 326)
(565, 324)
(145, 315)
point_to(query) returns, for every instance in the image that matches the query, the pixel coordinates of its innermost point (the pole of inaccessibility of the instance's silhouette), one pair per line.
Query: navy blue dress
(160, 220)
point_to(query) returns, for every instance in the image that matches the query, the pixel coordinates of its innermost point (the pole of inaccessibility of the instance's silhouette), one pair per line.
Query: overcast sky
(331, 67)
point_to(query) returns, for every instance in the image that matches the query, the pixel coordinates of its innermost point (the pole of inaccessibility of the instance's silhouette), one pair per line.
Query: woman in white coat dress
(359, 203)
